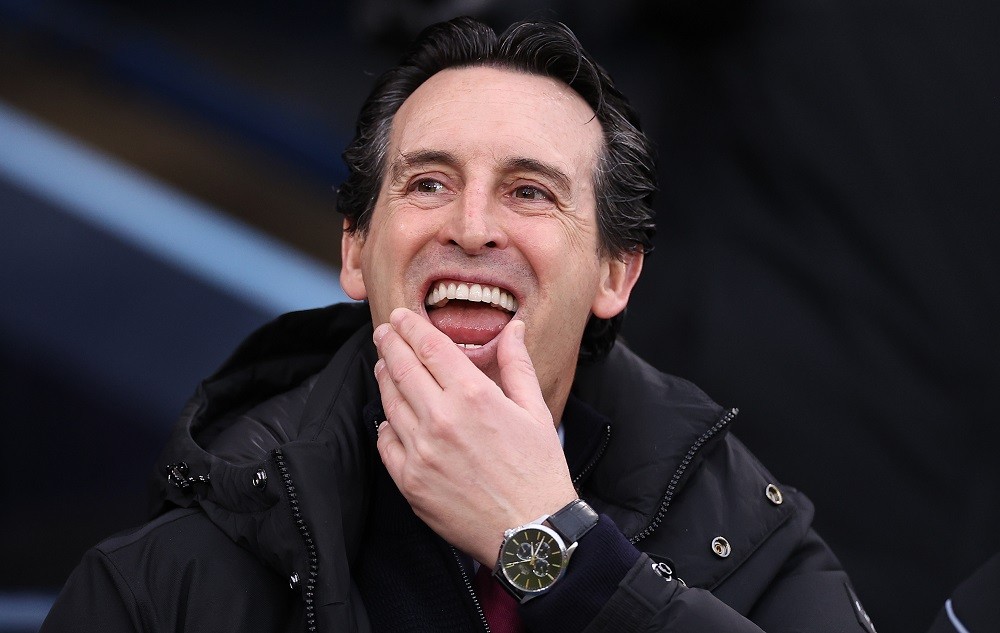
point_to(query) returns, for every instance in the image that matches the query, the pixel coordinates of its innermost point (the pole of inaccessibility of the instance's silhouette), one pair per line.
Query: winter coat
(274, 513)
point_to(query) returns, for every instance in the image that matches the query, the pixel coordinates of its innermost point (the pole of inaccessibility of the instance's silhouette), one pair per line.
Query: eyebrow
(551, 172)
(404, 162)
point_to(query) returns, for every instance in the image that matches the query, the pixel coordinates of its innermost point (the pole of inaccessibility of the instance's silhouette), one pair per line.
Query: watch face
(532, 558)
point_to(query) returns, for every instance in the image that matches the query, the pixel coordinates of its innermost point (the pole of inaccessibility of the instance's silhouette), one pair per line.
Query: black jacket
(274, 513)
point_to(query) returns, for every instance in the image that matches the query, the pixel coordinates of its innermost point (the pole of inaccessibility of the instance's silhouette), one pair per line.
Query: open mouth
(471, 315)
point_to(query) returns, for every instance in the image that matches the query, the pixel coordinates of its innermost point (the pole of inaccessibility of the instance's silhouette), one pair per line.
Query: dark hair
(625, 179)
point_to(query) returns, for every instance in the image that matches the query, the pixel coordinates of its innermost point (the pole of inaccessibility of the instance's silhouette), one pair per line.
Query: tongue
(466, 322)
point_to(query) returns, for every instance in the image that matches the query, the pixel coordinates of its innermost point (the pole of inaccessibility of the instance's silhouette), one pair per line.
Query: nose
(475, 223)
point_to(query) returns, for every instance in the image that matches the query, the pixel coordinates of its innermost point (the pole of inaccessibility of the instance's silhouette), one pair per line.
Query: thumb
(517, 373)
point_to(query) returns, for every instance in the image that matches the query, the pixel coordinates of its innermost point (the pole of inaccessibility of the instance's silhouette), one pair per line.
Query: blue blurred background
(825, 261)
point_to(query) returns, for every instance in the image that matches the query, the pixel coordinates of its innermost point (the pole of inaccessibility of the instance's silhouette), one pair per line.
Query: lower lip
(481, 355)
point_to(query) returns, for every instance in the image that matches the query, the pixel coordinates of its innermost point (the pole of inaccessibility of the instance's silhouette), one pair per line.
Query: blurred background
(825, 260)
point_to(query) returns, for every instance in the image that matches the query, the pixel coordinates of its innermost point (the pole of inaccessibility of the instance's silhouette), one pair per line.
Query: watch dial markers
(532, 559)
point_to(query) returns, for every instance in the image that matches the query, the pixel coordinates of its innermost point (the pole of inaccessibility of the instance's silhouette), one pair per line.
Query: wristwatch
(533, 557)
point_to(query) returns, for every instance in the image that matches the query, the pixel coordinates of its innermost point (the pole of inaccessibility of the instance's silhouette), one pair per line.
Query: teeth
(443, 292)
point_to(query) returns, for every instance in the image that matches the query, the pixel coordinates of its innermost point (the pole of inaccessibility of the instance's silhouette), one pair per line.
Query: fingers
(397, 352)
(419, 363)
(416, 362)
(390, 449)
(395, 406)
(403, 379)
(517, 373)
(430, 347)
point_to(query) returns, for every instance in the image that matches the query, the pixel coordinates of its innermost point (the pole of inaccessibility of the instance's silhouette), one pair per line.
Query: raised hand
(473, 458)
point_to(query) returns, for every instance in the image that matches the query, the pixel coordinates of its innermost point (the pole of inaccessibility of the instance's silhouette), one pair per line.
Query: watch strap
(573, 520)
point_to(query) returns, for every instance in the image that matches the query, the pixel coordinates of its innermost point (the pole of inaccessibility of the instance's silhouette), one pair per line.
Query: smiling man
(487, 219)
(469, 449)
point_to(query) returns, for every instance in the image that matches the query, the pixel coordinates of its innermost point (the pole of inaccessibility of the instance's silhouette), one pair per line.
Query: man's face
(489, 193)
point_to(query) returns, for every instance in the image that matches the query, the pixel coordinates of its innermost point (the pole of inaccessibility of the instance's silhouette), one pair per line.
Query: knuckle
(392, 406)
(430, 346)
(424, 455)
(440, 423)
(412, 484)
(400, 370)
(475, 391)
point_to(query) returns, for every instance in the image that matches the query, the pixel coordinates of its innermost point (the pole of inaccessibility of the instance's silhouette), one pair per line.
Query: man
(472, 429)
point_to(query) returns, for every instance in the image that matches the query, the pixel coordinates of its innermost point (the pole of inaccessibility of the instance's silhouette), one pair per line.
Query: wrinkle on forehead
(518, 121)
(470, 89)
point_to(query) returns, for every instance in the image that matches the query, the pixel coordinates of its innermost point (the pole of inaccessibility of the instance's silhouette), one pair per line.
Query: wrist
(573, 520)
(533, 557)
(486, 550)
(601, 562)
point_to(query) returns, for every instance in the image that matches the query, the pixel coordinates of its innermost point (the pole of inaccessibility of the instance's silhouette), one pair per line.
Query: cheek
(568, 267)
(576, 234)
(377, 263)
(578, 277)
(390, 260)
(390, 241)
(406, 233)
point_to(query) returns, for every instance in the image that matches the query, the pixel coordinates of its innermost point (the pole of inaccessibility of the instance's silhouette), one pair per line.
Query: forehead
(481, 112)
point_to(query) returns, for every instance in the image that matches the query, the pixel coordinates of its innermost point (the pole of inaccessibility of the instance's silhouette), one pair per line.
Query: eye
(428, 186)
(530, 192)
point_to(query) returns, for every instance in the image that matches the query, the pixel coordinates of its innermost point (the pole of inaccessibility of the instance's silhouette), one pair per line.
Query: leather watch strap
(573, 521)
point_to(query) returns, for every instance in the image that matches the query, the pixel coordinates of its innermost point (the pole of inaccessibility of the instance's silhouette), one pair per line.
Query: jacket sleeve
(611, 586)
(611, 590)
(165, 576)
(94, 599)
(811, 591)
(646, 601)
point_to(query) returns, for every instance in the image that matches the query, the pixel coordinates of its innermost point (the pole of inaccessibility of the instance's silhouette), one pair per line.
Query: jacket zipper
(177, 475)
(470, 589)
(313, 576)
(597, 457)
(668, 498)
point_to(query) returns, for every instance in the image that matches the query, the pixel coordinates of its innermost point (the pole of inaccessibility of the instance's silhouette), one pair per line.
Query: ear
(352, 279)
(618, 279)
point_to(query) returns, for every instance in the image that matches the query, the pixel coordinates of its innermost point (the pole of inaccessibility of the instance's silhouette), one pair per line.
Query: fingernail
(379, 366)
(380, 427)
(519, 329)
(379, 333)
